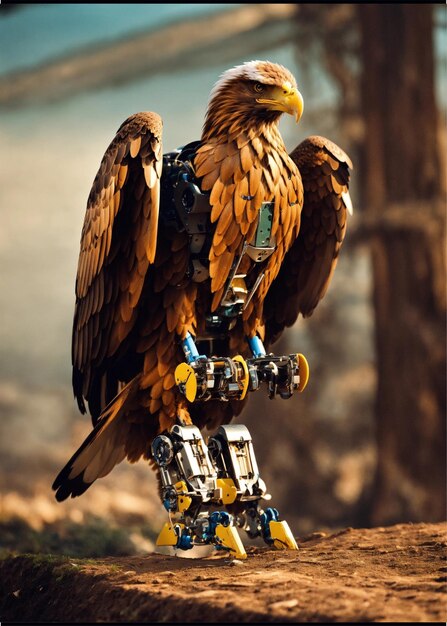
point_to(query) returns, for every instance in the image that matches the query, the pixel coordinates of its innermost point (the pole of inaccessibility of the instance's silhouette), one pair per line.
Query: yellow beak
(286, 99)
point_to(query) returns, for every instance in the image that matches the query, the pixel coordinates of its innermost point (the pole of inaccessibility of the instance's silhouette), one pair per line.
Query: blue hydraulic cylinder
(190, 348)
(256, 346)
(185, 542)
(269, 515)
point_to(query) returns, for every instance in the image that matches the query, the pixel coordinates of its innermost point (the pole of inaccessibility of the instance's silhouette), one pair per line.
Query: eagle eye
(258, 87)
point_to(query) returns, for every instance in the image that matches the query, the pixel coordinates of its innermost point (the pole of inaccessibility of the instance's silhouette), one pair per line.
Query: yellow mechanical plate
(181, 487)
(304, 371)
(229, 491)
(229, 538)
(168, 536)
(183, 500)
(184, 375)
(241, 360)
(282, 536)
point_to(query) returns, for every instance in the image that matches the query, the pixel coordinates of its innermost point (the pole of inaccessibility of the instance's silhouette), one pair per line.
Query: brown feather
(246, 158)
(222, 268)
(122, 175)
(210, 179)
(228, 193)
(207, 165)
(225, 219)
(168, 381)
(258, 147)
(157, 389)
(239, 203)
(135, 147)
(150, 175)
(216, 299)
(216, 194)
(99, 261)
(231, 233)
(255, 179)
(228, 167)
(155, 405)
(220, 247)
(171, 319)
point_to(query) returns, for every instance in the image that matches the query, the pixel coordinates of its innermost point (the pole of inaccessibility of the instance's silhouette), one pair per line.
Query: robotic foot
(220, 532)
(199, 479)
(281, 535)
(266, 524)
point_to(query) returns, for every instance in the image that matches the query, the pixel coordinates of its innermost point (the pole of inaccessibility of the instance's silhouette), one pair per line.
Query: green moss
(113, 567)
(94, 538)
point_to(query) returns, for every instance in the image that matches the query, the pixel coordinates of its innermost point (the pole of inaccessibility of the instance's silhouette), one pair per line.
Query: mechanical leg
(232, 450)
(191, 493)
(199, 481)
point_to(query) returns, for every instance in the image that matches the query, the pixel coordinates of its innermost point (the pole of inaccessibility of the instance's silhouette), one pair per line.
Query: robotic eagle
(192, 264)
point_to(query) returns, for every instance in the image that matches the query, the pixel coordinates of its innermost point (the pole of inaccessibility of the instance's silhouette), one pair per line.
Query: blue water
(36, 33)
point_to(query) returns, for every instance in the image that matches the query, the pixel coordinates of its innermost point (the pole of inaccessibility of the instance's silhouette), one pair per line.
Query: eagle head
(253, 93)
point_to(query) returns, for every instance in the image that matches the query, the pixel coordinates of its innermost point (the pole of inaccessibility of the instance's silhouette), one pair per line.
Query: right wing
(118, 243)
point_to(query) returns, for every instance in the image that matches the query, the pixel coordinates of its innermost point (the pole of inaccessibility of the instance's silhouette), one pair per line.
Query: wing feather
(118, 243)
(310, 262)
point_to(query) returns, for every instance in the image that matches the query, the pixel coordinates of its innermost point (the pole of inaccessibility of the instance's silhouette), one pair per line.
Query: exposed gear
(223, 378)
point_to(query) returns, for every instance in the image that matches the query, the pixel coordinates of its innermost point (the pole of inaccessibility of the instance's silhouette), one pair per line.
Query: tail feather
(102, 449)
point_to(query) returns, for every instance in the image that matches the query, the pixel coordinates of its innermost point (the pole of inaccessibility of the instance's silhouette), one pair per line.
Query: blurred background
(365, 444)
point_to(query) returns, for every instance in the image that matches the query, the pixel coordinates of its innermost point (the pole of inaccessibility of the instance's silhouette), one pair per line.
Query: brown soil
(382, 574)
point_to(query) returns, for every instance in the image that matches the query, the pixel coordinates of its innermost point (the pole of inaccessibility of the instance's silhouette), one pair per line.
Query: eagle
(145, 281)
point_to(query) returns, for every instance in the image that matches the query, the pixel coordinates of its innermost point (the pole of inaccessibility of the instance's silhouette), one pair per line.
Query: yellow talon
(229, 538)
(282, 536)
(168, 536)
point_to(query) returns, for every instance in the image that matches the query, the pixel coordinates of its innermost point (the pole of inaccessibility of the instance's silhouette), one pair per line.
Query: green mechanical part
(262, 238)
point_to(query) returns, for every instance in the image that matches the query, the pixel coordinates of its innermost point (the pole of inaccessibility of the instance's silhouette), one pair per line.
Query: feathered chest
(240, 209)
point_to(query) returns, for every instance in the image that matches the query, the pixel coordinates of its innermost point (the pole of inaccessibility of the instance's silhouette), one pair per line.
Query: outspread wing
(118, 243)
(309, 264)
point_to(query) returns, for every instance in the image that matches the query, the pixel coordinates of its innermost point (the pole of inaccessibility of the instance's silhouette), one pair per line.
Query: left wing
(309, 264)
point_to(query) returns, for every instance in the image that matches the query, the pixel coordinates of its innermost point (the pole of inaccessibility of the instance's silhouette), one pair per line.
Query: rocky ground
(388, 574)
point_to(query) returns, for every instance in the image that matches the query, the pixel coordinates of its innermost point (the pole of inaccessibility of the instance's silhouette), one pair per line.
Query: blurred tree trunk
(406, 209)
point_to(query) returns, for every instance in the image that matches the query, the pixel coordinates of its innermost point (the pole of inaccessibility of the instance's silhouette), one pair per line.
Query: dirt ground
(397, 573)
